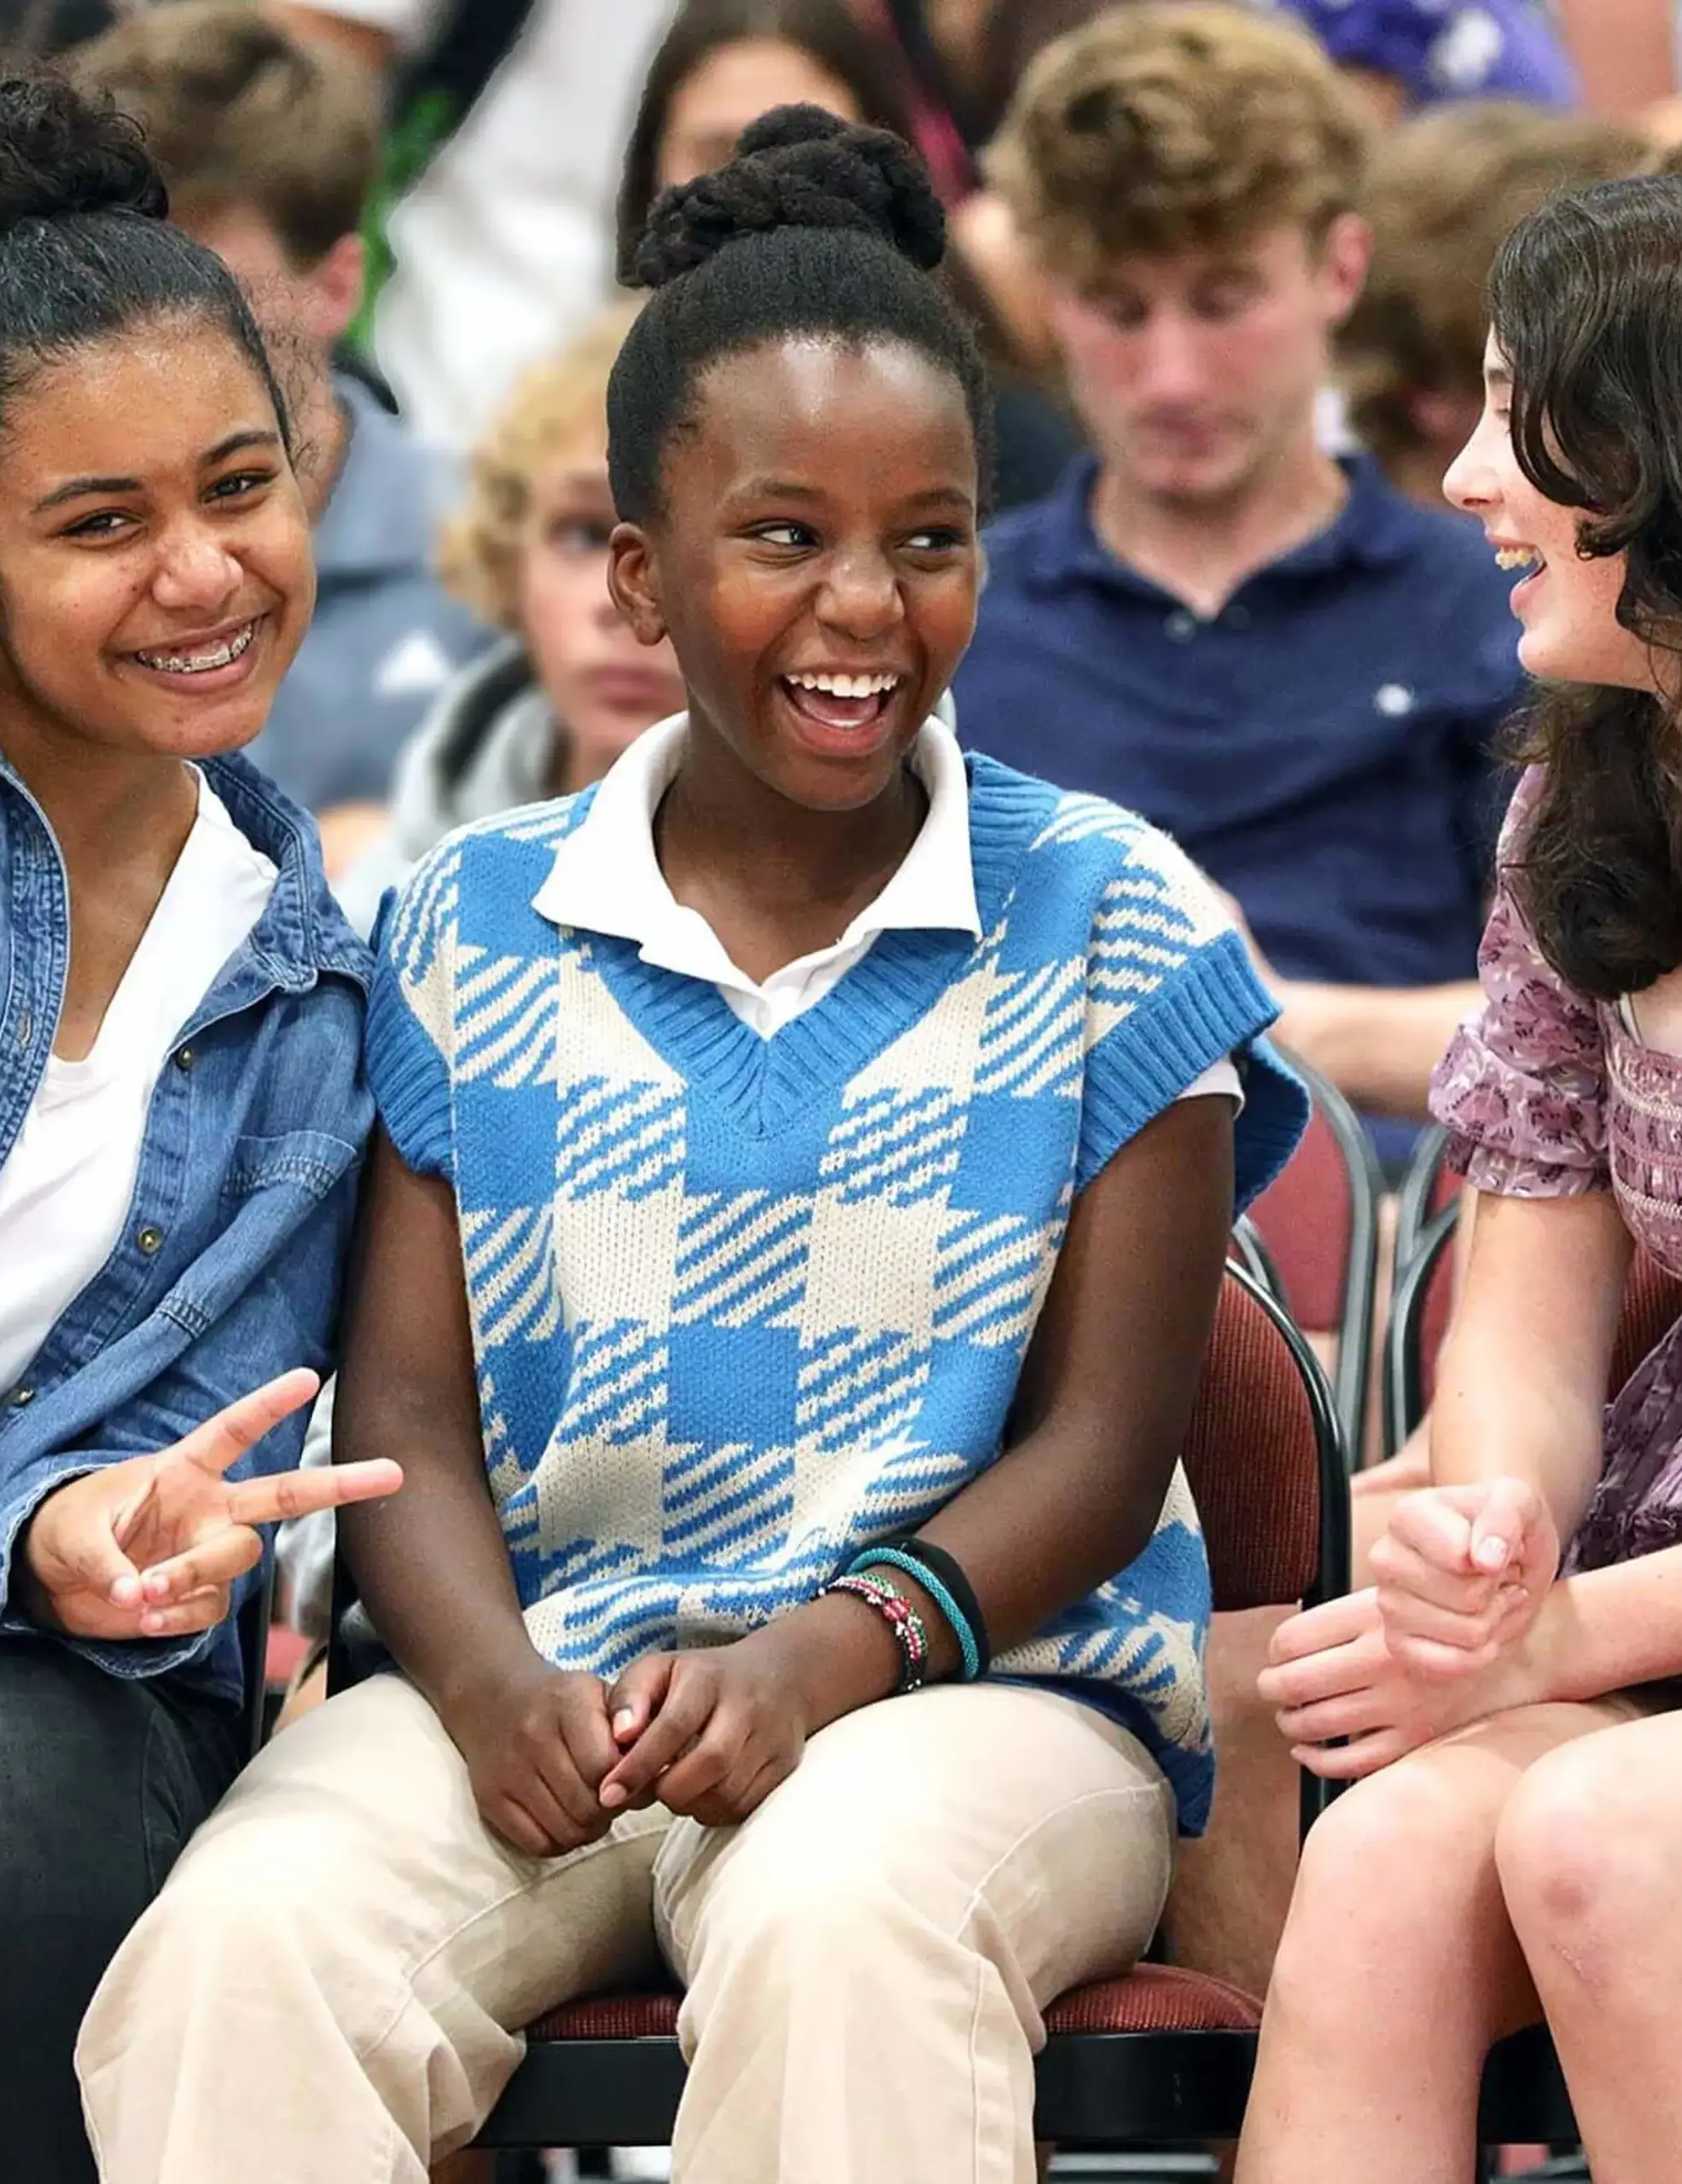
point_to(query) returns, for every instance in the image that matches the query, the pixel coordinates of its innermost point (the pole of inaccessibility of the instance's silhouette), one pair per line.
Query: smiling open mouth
(841, 701)
(202, 660)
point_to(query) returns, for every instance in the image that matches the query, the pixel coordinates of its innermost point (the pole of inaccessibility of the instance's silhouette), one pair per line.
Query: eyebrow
(75, 489)
(779, 489)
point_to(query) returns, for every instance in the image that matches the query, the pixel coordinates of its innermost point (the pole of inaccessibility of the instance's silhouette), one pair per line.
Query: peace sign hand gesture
(150, 1548)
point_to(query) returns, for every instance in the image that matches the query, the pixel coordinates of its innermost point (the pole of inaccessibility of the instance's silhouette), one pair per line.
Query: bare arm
(1377, 1044)
(1521, 1383)
(437, 1580)
(1624, 51)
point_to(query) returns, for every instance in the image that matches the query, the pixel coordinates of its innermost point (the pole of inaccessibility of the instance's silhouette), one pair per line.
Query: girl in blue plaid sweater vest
(807, 1169)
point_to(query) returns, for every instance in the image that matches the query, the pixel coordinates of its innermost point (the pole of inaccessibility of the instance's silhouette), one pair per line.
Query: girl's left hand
(1335, 1674)
(709, 1734)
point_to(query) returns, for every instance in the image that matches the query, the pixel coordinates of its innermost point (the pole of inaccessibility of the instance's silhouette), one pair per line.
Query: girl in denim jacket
(182, 1106)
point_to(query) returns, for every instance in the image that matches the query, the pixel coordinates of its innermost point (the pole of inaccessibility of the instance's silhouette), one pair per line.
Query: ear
(633, 578)
(1345, 257)
(336, 288)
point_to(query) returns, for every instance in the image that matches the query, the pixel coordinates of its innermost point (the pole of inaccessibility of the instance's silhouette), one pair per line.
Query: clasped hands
(1441, 1639)
(556, 1755)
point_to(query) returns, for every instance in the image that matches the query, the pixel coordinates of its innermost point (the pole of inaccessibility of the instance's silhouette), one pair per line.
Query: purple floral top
(1547, 1095)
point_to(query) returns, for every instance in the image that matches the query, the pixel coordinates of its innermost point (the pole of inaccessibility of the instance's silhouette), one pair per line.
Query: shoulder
(1082, 848)
(485, 871)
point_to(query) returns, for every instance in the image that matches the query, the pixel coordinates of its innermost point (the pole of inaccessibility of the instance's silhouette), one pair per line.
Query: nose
(1470, 482)
(1172, 367)
(194, 572)
(860, 596)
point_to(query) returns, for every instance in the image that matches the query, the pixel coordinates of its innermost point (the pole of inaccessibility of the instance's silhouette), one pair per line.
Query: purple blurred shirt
(1446, 48)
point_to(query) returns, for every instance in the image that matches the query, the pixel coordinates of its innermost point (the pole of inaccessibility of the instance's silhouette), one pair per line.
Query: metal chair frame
(1351, 1372)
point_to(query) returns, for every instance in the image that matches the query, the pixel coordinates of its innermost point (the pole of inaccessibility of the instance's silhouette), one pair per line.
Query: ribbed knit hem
(409, 1079)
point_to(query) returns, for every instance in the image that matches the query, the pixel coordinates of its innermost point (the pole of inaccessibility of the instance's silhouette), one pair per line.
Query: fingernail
(613, 1797)
(1492, 1552)
(624, 1720)
(125, 1591)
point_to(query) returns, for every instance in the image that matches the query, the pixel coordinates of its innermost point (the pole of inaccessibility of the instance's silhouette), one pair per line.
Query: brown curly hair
(1445, 190)
(237, 111)
(480, 546)
(1586, 307)
(1158, 128)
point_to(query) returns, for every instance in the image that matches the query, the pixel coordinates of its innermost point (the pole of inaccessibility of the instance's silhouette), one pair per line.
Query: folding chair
(1247, 1251)
(1428, 1187)
(1319, 1223)
(1524, 2097)
(1164, 2055)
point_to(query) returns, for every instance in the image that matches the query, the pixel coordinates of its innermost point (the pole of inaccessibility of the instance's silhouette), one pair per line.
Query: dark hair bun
(797, 166)
(62, 153)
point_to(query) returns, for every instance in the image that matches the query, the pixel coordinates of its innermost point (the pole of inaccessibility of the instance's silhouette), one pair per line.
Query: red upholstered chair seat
(1154, 1998)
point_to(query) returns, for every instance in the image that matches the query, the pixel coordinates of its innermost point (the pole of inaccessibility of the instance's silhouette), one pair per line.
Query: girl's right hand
(1461, 1572)
(537, 1746)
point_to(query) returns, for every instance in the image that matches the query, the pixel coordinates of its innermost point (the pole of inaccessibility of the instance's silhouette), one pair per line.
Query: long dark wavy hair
(1586, 306)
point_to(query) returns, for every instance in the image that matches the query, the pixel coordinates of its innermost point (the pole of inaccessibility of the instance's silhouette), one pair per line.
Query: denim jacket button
(185, 1057)
(21, 1396)
(149, 1240)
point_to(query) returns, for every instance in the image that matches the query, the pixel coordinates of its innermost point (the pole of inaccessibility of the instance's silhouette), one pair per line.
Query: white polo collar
(606, 878)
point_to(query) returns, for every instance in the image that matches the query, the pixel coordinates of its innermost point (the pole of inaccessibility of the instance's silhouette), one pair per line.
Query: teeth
(1517, 557)
(848, 686)
(200, 663)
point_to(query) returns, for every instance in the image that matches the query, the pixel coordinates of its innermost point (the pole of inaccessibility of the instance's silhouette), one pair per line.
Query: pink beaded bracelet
(901, 1619)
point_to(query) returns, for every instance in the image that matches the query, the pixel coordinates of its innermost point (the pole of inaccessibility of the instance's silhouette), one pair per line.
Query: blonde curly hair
(1157, 128)
(480, 546)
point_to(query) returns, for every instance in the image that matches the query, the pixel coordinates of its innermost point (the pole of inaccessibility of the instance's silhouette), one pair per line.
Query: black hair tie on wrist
(949, 1572)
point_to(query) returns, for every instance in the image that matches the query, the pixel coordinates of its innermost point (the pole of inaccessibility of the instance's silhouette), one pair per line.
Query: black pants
(102, 1782)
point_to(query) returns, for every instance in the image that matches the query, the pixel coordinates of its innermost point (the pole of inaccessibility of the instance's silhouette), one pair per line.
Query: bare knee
(1383, 1880)
(1585, 1853)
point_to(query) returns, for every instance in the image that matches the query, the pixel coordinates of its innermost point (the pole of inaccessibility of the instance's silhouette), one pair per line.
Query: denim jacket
(228, 1268)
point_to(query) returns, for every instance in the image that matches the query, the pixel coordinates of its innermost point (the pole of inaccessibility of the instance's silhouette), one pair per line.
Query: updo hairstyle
(817, 228)
(86, 250)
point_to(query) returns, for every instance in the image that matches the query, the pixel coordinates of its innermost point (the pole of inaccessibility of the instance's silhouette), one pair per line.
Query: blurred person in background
(509, 119)
(1405, 54)
(548, 709)
(1446, 189)
(724, 63)
(37, 29)
(1265, 649)
(268, 148)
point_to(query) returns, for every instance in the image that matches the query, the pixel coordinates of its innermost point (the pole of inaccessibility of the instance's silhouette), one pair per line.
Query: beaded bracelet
(950, 1570)
(901, 1619)
(894, 1557)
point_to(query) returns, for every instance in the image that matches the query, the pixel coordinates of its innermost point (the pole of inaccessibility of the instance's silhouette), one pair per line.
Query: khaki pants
(330, 1989)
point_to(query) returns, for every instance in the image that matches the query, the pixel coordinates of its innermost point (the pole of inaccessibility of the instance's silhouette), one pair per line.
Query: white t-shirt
(503, 248)
(66, 1186)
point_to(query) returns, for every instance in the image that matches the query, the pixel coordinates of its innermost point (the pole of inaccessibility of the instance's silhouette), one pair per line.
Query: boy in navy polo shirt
(1263, 648)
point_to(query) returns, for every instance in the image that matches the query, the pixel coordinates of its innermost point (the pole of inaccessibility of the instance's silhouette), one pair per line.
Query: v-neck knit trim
(763, 1085)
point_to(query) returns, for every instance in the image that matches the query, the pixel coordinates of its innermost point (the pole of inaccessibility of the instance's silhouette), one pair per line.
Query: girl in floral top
(1511, 1854)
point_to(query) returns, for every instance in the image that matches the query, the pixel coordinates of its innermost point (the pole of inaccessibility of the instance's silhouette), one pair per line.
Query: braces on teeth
(1517, 557)
(200, 663)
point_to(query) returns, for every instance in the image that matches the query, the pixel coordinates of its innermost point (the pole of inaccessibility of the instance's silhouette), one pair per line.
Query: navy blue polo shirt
(1321, 746)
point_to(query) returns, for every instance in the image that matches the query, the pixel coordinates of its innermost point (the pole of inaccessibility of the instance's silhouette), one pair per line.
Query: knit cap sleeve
(1170, 989)
(410, 1013)
(1521, 1091)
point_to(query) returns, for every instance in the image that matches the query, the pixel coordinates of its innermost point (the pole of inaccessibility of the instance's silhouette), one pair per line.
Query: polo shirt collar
(606, 877)
(1374, 527)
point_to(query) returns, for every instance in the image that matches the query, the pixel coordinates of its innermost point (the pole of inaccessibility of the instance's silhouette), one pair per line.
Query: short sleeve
(1521, 1090)
(410, 1015)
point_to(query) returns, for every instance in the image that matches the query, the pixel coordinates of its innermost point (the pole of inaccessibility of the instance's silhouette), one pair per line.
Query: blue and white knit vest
(741, 1306)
